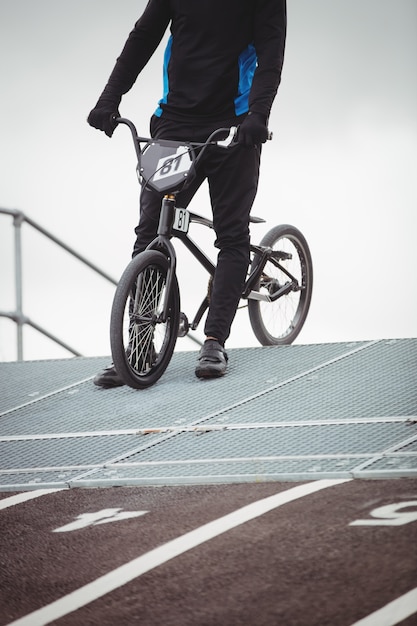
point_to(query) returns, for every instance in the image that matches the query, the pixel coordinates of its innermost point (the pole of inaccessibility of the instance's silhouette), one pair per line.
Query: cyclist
(222, 68)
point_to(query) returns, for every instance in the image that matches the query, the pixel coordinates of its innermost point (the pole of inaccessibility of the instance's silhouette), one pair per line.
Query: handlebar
(222, 143)
(138, 140)
(228, 142)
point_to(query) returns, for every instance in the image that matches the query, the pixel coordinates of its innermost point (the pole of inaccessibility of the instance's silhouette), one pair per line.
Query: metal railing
(17, 315)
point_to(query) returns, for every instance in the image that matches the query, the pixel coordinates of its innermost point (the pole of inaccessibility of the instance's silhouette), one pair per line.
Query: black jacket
(223, 58)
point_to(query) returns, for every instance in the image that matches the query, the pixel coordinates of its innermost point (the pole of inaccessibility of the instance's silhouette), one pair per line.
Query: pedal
(183, 326)
(280, 255)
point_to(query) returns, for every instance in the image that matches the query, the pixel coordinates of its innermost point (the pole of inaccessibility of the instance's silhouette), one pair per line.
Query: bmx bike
(146, 317)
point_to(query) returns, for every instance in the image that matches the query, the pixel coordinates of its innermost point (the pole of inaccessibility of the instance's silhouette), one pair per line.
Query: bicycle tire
(141, 344)
(279, 322)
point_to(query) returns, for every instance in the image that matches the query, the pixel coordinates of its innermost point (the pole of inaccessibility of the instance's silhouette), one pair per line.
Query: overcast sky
(342, 167)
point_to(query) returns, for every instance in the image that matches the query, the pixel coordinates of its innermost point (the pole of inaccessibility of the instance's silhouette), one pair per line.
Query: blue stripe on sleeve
(167, 57)
(247, 66)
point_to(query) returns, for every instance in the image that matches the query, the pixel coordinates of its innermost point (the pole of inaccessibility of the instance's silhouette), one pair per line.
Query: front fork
(163, 244)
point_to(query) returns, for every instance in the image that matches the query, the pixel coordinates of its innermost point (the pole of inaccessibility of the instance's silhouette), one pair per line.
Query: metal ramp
(297, 412)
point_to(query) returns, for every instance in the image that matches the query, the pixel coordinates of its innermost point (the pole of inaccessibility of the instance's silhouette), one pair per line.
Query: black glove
(253, 130)
(102, 115)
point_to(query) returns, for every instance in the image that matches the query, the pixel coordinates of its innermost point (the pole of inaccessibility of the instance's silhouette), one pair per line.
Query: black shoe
(108, 378)
(212, 360)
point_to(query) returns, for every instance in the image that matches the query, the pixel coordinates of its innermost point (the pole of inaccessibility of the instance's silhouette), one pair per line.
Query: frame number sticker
(182, 220)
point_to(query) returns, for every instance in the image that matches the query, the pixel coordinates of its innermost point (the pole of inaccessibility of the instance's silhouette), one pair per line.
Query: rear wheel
(279, 322)
(141, 343)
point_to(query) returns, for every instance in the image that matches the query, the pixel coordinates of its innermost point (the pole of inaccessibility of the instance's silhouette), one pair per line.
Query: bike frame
(166, 231)
(163, 243)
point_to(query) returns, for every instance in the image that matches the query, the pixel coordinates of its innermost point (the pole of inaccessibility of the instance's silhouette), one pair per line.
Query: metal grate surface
(293, 412)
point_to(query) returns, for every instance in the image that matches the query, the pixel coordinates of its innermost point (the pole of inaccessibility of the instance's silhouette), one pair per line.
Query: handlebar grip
(232, 140)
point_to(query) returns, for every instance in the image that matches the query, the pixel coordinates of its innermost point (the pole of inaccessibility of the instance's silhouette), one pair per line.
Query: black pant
(232, 177)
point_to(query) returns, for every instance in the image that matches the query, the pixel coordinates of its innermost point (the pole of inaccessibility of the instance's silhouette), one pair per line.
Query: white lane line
(24, 497)
(146, 562)
(392, 613)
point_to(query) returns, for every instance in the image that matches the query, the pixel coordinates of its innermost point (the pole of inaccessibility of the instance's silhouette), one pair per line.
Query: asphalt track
(326, 552)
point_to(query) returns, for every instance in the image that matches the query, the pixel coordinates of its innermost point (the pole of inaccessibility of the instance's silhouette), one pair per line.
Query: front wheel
(278, 322)
(142, 342)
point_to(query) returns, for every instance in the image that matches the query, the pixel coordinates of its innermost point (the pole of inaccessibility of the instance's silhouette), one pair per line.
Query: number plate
(178, 163)
(181, 220)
